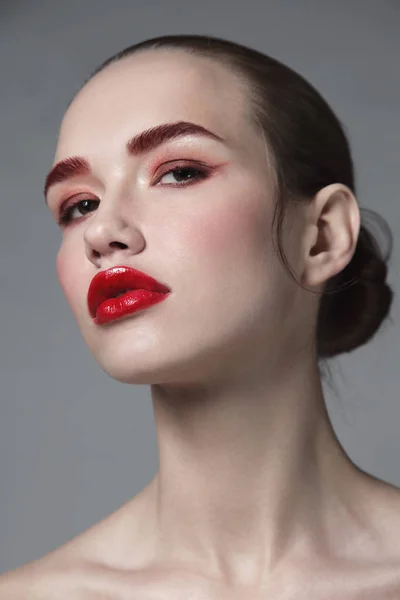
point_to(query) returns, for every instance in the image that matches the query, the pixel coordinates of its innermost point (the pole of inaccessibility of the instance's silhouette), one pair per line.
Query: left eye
(184, 174)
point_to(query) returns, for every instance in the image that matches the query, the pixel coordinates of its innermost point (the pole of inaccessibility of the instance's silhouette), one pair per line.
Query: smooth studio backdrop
(75, 444)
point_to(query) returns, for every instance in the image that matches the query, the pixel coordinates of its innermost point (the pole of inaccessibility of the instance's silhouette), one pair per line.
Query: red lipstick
(121, 291)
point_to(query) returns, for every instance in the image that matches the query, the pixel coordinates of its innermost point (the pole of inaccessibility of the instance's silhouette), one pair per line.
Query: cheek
(62, 270)
(239, 227)
(67, 267)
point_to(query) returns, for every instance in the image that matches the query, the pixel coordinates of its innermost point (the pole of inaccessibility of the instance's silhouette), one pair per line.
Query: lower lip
(127, 304)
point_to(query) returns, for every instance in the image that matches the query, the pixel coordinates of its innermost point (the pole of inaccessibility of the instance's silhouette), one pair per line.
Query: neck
(247, 474)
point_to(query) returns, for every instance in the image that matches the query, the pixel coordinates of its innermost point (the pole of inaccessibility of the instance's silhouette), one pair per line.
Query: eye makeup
(198, 172)
(141, 143)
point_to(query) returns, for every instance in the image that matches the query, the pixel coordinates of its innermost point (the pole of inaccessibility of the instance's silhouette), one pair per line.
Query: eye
(66, 212)
(185, 174)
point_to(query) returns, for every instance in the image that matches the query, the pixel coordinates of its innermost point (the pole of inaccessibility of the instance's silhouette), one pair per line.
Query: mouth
(118, 281)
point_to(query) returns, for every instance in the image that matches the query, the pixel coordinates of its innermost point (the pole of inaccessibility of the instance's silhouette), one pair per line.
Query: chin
(138, 373)
(129, 367)
(156, 368)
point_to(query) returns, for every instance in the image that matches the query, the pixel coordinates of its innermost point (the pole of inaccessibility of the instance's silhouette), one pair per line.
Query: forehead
(149, 88)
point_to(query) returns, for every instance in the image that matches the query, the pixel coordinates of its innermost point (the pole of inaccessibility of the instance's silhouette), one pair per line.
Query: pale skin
(254, 496)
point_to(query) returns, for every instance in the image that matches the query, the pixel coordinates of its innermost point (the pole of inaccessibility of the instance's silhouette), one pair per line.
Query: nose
(108, 233)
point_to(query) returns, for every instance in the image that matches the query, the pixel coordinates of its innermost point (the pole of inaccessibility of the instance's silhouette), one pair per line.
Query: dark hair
(309, 151)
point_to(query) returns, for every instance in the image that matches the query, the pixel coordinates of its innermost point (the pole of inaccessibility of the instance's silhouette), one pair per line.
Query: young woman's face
(205, 233)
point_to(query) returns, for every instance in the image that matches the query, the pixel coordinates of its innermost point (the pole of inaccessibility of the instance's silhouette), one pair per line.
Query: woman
(219, 183)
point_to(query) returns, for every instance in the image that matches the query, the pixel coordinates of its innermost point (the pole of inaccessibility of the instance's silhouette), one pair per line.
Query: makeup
(143, 142)
(121, 291)
(127, 304)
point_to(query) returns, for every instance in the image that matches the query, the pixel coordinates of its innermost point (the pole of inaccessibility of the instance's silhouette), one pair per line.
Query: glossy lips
(140, 289)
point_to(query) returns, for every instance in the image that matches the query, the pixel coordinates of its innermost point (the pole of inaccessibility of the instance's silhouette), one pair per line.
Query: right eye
(66, 212)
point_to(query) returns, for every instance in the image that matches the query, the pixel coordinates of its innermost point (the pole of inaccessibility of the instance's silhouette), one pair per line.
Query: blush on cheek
(60, 267)
(74, 279)
(66, 274)
(229, 230)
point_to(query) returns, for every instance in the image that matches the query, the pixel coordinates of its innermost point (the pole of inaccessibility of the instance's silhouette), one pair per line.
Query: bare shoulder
(41, 580)
(89, 567)
(69, 572)
(77, 570)
(57, 577)
(20, 583)
(13, 585)
(63, 573)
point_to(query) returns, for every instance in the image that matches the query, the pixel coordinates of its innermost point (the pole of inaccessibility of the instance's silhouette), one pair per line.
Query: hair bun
(358, 299)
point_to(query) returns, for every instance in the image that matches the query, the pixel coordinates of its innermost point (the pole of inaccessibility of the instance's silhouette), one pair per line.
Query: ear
(332, 230)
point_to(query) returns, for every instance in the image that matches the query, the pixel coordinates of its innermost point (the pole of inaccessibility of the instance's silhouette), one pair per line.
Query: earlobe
(334, 229)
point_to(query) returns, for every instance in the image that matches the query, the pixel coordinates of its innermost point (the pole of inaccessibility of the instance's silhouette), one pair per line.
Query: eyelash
(201, 173)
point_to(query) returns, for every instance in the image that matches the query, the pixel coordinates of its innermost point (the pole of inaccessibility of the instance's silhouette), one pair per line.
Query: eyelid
(71, 189)
(184, 162)
(193, 151)
(160, 172)
(152, 173)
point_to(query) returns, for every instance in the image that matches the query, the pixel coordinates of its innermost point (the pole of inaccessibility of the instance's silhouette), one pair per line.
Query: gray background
(75, 444)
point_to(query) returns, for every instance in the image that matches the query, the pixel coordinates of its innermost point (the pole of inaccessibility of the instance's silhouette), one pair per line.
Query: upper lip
(110, 283)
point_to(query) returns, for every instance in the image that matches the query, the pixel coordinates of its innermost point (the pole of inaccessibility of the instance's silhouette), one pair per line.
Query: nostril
(118, 245)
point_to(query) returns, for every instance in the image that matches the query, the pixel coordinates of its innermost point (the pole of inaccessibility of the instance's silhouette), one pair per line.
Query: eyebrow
(142, 142)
